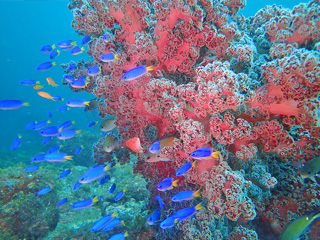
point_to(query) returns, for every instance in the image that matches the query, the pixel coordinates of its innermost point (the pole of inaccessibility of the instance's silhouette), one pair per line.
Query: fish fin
(122, 223)
(40, 167)
(196, 193)
(53, 64)
(176, 220)
(313, 178)
(37, 82)
(26, 104)
(48, 121)
(60, 129)
(87, 102)
(124, 190)
(215, 154)
(126, 234)
(53, 46)
(71, 169)
(150, 68)
(58, 51)
(114, 215)
(78, 132)
(19, 136)
(175, 183)
(95, 199)
(116, 56)
(194, 164)
(68, 157)
(198, 207)
(60, 146)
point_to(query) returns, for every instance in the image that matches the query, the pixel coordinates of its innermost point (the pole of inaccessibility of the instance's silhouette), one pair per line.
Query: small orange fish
(37, 87)
(45, 95)
(51, 82)
(134, 144)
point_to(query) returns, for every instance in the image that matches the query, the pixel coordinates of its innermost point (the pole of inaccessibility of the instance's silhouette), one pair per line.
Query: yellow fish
(298, 226)
(51, 82)
(37, 87)
(45, 95)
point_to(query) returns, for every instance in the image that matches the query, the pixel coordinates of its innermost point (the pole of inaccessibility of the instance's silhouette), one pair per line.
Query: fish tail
(198, 207)
(114, 215)
(122, 223)
(107, 168)
(53, 64)
(78, 132)
(73, 122)
(95, 199)
(116, 56)
(26, 104)
(58, 51)
(68, 157)
(48, 121)
(215, 154)
(126, 234)
(37, 82)
(74, 43)
(40, 167)
(87, 102)
(175, 183)
(194, 164)
(196, 193)
(19, 136)
(82, 49)
(124, 190)
(150, 68)
(53, 46)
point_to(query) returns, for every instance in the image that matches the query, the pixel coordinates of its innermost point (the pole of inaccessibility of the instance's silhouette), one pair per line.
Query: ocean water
(28, 25)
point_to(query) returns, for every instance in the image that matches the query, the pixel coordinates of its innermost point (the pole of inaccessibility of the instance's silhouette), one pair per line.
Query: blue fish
(49, 131)
(62, 109)
(112, 188)
(61, 202)
(30, 125)
(72, 67)
(57, 157)
(68, 78)
(46, 140)
(182, 170)
(54, 53)
(16, 143)
(155, 147)
(12, 104)
(185, 195)
(76, 50)
(82, 82)
(57, 98)
(167, 184)
(104, 179)
(92, 123)
(93, 70)
(29, 82)
(66, 44)
(160, 202)
(76, 186)
(115, 222)
(45, 66)
(185, 213)
(168, 222)
(102, 222)
(65, 125)
(49, 114)
(154, 216)
(47, 48)
(67, 133)
(43, 191)
(78, 150)
(85, 40)
(40, 125)
(54, 149)
(65, 173)
(85, 203)
(31, 168)
(38, 158)
(119, 236)
(204, 153)
(94, 173)
(105, 38)
(119, 195)
(108, 57)
(136, 72)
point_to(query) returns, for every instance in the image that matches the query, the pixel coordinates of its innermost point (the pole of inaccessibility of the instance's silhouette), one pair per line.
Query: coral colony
(245, 87)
